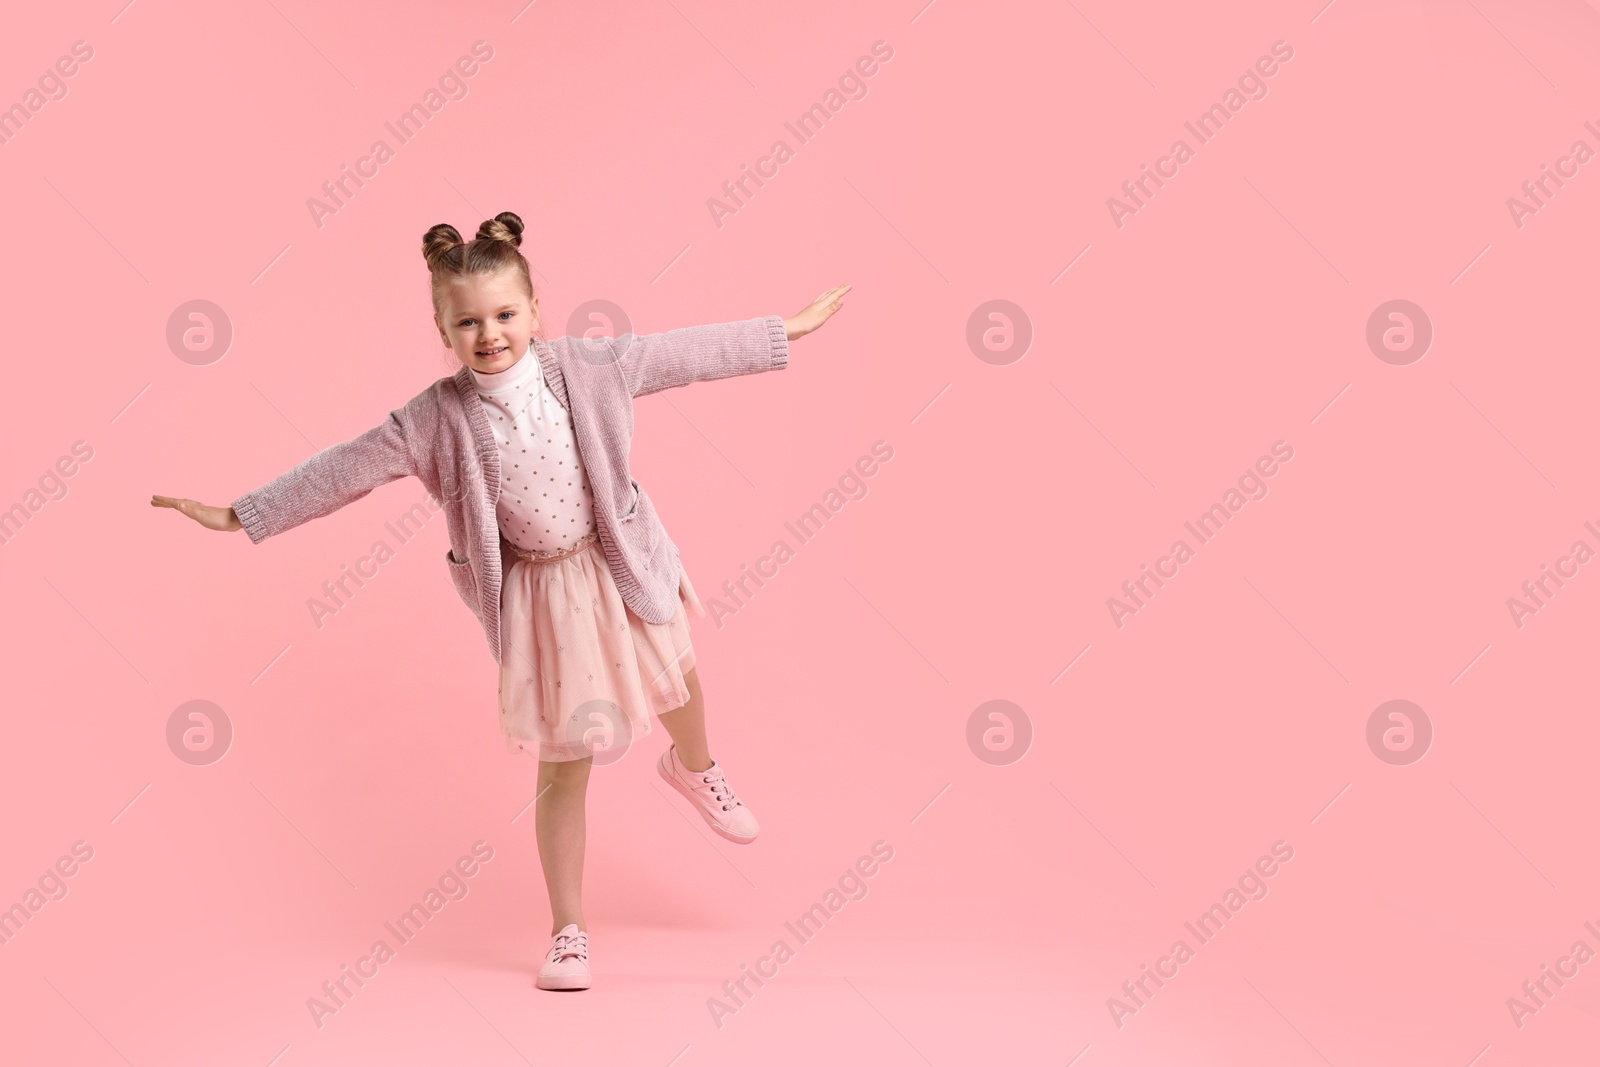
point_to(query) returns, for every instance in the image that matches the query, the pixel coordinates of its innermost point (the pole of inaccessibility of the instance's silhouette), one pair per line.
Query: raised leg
(687, 725)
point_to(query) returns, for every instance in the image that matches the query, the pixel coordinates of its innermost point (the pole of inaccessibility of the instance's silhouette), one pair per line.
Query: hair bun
(439, 240)
(505, 226)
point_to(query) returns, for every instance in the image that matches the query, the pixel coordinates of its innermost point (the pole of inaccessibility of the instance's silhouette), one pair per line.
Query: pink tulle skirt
(580, 673)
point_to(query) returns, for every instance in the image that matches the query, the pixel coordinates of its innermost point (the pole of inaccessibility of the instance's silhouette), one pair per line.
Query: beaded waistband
(536, 555)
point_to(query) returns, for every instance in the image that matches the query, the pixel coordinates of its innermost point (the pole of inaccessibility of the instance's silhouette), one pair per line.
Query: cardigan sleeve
(656, 361)
(338, 475)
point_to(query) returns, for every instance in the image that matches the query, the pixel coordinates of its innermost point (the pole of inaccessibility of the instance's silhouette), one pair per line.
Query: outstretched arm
(327, 481)
(657, 361)
(652, 362)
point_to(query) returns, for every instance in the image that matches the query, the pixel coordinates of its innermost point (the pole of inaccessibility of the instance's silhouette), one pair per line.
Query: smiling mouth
(493, 352)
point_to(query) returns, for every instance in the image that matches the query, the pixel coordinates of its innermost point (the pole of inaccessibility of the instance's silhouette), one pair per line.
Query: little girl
(556, 549)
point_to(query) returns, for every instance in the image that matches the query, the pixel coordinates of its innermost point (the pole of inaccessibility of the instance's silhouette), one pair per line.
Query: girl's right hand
(212, 518)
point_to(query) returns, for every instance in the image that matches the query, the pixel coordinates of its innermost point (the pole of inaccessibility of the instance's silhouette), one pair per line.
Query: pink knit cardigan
(442, 436)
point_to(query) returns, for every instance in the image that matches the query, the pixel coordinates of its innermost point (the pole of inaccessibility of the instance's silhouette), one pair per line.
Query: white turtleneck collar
(523, 372)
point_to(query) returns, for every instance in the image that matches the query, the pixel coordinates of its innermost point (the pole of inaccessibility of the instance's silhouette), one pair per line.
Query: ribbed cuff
(779, 339)
(250, 519)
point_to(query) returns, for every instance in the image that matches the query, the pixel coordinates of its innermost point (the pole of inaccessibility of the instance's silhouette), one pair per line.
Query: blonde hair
(493, 249)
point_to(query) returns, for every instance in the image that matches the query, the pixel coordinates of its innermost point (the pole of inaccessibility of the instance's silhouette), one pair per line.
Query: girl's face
(487, 320)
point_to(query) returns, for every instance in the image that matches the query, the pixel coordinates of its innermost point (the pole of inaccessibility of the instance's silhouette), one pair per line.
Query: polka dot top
(545, 502)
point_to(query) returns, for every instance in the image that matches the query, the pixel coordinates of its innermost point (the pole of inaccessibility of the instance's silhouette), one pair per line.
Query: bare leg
(560, 828)
(687, 725)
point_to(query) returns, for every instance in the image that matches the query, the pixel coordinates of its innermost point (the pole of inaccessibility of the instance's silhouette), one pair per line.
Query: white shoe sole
(563, 981)
(661, 769)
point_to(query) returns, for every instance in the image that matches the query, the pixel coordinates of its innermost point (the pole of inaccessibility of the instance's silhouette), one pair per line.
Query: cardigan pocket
(466, 584)
(633, 507)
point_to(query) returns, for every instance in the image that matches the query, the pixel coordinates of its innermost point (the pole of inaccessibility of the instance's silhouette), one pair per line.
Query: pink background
(1230, 713)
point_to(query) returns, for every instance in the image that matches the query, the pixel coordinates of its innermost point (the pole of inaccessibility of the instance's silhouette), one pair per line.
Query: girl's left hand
(821, 309)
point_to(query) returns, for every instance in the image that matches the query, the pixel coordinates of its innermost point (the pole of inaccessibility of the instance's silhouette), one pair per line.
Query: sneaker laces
(720, 790)
(570, 947)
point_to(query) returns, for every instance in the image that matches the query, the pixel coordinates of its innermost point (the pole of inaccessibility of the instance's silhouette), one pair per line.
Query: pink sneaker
(566, 965)
(708, 790)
